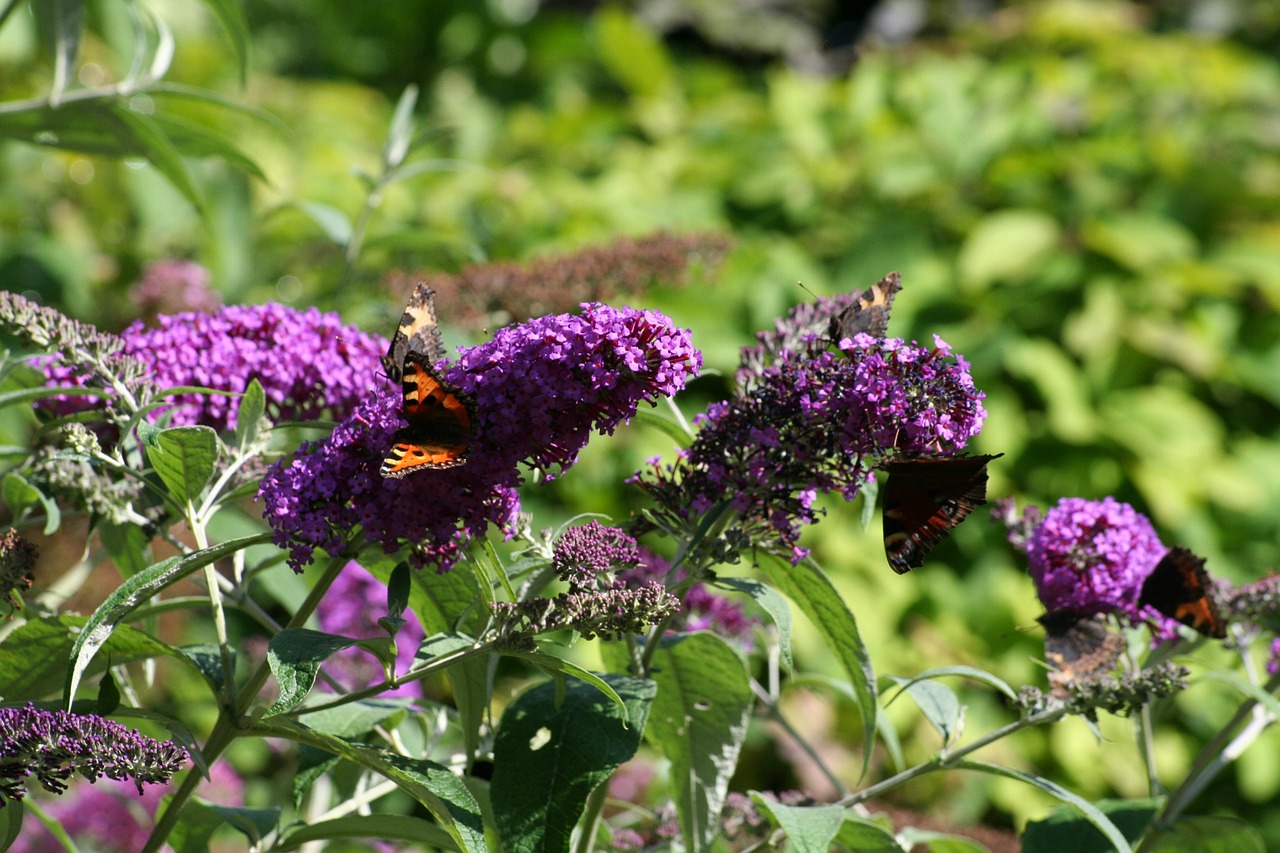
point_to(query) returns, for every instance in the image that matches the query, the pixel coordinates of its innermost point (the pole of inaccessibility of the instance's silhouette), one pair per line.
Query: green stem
(591, 818)
(228, 725)
(775, 713)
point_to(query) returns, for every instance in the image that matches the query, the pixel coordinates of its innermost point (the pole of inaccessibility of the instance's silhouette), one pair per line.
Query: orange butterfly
(441, 417)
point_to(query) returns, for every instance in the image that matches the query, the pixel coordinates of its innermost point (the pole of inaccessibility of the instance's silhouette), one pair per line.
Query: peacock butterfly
(924, 498)
(1179, 587)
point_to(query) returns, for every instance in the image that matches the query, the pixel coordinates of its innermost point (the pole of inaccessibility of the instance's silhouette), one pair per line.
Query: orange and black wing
(419, 332)
(924, 499)
(869, 313)
(1179, 587)
(441, 422)
(1078, 648)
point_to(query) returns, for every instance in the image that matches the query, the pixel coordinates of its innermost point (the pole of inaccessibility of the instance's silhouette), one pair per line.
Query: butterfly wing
(869, 313)
(924, 499)
(1179, 587)
(441, 422)
(1078, 648)
(418, 332)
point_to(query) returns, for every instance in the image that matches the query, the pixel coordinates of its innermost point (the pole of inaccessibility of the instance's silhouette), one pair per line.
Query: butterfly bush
(541, 388)
(346, 610)
(308, 363)
(54, 745)
(812, 422)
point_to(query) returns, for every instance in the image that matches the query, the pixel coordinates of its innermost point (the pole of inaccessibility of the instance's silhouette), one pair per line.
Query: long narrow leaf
(136, 590)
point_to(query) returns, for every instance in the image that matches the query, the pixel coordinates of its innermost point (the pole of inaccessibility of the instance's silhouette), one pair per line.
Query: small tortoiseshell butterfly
(1078, 648)
(869, 313)
(441, 417)
(924, 499)
(1179, 587)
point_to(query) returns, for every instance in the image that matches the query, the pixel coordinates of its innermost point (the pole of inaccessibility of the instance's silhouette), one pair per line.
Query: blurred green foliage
(1087, 208)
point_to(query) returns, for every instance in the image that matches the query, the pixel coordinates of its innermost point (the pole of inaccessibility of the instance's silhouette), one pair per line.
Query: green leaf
(400, 132)
(632, 52)
(20, 496)
(1091, 813)
(772, 603)
(1065, 831)
(1006, 245)
(385, 827)
(127, 545)
(468, 679)
(1205, 834)
(938, 703)
(195, 827)
(809, 588)
(333, 222)
(938, 842)
(809, 829)
(184, 458)
(431, 784)
(249, 415)
(134, 591)
(549, 755)
(1141, 242)
(60, 23)
(967, 672)
(108, 696)
(152, 143)
(559, 667)
(398, 586)
(295, 655)
(251, 823)
(206, 658)
(867, 836)
(1247, 688)
(699, 721)
(231, 15)
(10, 822)
(33, 659)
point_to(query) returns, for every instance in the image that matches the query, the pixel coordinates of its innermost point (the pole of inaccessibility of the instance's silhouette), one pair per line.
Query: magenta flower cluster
(54, 745)
(308, 363)
(541, 388)
(173, 285)
(584, 553)
(810, 425)
(1089, 556)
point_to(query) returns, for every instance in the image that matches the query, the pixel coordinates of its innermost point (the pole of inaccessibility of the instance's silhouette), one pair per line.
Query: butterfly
(1078, 648)
(441, 417)
(924, 498)
(1178, 587)
(869, 312)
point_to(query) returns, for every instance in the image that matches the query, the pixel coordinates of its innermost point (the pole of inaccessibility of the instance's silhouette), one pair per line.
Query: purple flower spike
(592, 550)
(54, 745)
(540, 390)
(308, 363)
(1092, 556)
(819, 424)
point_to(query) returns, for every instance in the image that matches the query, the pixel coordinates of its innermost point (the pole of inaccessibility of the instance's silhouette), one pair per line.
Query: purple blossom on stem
(814, 425)
(307, 362)
(583, 554)
(1090, 557)
(53, 745)
(540, 389)
(173, 285)
(350, 609)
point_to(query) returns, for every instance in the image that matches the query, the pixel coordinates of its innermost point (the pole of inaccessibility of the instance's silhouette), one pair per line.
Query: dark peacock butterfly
(1179, 587)
(1078, 648)
(869, 312)
(924, 499)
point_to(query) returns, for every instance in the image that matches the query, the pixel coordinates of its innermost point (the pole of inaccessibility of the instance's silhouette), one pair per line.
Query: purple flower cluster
(592, 559)
(819, 424)
(584, 553)
(110, 816)
(307, 362)
(540, 389)
(174, 285)
(52, 745)
(1090, 557)
(349, 609)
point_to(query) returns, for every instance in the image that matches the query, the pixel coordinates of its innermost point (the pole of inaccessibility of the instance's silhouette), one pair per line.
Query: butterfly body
(440, 416)
(924, 499)
(1179, 587)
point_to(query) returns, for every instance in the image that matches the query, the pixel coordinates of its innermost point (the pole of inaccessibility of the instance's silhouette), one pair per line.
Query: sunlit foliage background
(1083, 198)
